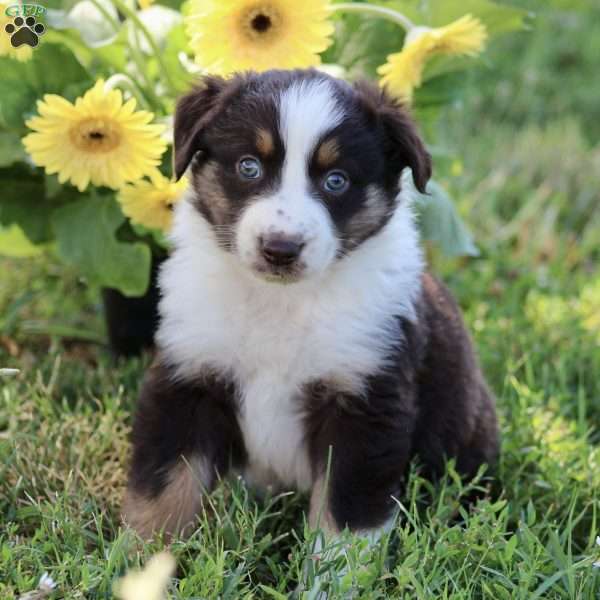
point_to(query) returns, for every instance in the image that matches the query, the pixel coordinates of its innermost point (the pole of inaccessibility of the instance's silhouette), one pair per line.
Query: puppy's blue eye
(249, 168)
(336, 182)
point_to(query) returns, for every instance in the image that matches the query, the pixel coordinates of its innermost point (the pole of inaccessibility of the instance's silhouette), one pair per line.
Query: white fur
(307, 111)
(272, 339)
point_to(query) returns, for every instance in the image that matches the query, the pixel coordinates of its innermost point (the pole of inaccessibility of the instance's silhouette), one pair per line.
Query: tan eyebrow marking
(264, 142)
(328, 153)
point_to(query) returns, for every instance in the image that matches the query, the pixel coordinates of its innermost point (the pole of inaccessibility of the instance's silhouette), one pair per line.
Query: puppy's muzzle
(281, 251)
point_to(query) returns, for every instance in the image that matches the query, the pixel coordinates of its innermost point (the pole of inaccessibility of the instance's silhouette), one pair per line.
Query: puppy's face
(294, 169)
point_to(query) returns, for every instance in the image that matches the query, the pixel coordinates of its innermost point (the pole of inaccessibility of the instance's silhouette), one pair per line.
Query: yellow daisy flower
(99, 139)
(22, 53)
(239, 35)
(149, 583)
(403, 70)
(150, 203)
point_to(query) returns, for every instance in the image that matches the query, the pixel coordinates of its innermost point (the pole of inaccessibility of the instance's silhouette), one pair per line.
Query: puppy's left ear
(194, 111)
(402, 145)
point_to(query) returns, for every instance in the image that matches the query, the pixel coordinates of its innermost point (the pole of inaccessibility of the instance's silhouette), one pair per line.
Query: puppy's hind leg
(185, 436)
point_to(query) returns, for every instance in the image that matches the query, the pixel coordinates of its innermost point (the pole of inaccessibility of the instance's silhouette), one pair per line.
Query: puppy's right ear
(194, 111)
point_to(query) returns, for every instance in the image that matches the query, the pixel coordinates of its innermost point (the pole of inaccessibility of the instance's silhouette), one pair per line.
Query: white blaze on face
(307, 110)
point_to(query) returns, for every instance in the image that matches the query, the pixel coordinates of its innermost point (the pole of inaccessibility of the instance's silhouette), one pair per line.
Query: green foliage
(440, 223)
(85, 236)
(52, 70)
(19, 207)
(13, 242)
(498, 18)
(11, 150)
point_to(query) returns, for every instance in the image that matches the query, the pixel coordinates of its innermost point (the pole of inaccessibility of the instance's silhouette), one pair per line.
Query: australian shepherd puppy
(297, 321)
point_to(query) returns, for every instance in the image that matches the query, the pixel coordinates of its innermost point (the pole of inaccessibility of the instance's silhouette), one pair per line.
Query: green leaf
(103, 60)
(22, 203)
(498, 18)
(362, 43)
(441, 224)
(13, 242)
(176, 42)
(52, 69)
(86, 237)
(510, 547)
(269, 591)
(11, 149)
(16, 95)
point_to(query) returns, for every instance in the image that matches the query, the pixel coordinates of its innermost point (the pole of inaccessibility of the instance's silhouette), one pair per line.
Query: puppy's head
(294, 169)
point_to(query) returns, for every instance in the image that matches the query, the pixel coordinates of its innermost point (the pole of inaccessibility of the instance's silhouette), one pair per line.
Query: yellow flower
(403, 70)
(22, 53)
(150, 203)
(238, 35)
(145, 3)
(99, 139)
(150, 583)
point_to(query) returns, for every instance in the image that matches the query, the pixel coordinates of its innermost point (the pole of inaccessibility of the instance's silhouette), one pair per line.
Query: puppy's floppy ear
(194, 111)
(403, 146)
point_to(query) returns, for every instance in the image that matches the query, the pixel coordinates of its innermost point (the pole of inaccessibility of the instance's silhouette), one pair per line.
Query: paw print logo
(24, 31)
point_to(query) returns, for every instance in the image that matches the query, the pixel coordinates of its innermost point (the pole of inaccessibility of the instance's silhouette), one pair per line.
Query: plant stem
(145, 94)
(138, 59)
(125, 82)
(122, 6)
(376, 11)
(114, 23)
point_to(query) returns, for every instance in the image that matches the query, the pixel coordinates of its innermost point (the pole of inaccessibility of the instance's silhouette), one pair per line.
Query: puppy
(296, 318)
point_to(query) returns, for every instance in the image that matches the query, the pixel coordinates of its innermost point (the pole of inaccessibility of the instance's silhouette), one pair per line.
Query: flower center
(95, 135)
(261, 23)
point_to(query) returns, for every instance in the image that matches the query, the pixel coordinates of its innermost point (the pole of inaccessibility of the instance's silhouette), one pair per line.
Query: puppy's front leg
(371, 441)
(185, 435)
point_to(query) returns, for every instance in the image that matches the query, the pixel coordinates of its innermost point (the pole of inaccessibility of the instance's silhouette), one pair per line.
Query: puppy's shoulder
(437, 325)
(439, 309)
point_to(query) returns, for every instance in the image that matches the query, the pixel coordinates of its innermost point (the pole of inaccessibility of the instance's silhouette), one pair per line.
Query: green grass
(529, 190)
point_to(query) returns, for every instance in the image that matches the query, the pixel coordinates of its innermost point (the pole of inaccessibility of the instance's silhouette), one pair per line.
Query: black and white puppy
(296, 315)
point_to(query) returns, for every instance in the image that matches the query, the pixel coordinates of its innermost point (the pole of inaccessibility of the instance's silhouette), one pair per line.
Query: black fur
(131, 322)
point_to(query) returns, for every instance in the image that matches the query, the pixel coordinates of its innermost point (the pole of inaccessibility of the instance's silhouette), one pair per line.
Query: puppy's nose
(280, 251)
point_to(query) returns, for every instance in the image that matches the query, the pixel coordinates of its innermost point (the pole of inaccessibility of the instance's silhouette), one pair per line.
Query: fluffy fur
(269, 358)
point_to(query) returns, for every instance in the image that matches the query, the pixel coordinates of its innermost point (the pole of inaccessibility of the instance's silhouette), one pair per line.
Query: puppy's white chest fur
(273, 339)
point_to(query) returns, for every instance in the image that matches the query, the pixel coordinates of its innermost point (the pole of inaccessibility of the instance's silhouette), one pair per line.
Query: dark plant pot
(131, 322)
